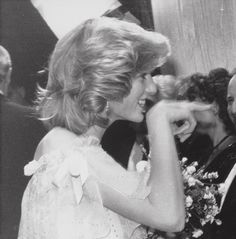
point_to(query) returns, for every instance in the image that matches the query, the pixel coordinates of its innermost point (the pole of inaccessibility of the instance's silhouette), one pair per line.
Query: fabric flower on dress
(75, 166)
(33, 166)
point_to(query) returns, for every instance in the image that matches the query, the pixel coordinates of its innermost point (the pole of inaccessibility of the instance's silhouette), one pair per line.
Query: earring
(107, 107)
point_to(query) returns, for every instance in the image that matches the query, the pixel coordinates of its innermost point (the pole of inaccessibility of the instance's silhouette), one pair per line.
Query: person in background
(214, 123)
(217, 125)
(20, 132)
(198, 146)
(99, 73)
(231, 99)
(5, 71)
(17, 94)
(228, 210)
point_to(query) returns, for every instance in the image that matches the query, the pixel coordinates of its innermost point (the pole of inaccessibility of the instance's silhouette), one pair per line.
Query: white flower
(184, 160)
(197, 233)
(203, 222)
(213, 175)
(210, 218)
(208, 195)
(218, 222)
(191, 169)
(215, 210)
(221, 188)
(33, 166)
(191, 181)
(188, 201)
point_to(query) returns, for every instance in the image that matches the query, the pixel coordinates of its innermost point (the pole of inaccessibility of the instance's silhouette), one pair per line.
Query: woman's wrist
(156, 122)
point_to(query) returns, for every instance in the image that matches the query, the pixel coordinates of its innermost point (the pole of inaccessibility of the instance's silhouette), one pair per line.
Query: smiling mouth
(145, 104)
(142, 105)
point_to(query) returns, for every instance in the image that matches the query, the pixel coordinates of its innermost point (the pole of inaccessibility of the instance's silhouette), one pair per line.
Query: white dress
(63, 201)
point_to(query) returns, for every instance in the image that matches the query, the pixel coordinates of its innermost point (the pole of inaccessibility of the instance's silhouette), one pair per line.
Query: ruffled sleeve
(63, 199)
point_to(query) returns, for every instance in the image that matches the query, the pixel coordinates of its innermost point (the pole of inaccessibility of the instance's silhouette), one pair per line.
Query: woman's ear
(215, 108)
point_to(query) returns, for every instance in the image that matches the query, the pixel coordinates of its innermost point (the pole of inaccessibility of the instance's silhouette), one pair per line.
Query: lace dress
(63, 201)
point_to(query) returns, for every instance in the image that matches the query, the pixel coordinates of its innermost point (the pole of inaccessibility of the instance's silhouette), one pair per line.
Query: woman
(99, 73)
(216, 124)
(165, 90)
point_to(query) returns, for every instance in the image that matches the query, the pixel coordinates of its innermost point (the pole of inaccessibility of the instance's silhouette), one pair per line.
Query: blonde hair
(95, 63)
(166, 87)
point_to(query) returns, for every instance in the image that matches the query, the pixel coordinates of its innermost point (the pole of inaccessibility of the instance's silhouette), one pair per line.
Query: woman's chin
(138, 118)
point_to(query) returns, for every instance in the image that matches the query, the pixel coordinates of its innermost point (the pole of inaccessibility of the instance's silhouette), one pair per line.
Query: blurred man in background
(20, 132)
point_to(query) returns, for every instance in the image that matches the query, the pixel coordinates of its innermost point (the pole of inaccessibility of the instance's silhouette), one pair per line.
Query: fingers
(185, 130)
(197, 106)
(183, 137)
(179, 111)
(177, 130)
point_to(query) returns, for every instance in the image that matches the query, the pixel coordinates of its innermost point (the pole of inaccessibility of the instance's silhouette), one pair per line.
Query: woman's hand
(179, 114)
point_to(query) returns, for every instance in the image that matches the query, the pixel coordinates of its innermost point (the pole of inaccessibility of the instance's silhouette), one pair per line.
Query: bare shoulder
(55, 139)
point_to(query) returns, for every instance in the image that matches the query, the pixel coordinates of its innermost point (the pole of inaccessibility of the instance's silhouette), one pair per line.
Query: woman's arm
(164, 207)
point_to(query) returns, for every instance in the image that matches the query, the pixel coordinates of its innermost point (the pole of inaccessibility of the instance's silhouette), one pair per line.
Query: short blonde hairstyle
(96, 63)
(166, 87)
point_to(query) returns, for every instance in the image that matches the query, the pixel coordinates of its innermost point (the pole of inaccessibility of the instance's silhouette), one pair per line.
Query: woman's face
(132, 107)
(205, 119)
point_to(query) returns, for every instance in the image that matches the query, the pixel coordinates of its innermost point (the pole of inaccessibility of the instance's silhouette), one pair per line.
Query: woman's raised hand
(180, 115)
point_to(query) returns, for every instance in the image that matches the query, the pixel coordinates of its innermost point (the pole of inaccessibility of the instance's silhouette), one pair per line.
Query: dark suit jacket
(223, 161)
(20, 133)
(228, 216)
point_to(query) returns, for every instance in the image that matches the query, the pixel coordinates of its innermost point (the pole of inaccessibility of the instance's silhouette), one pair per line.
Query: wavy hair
(208, 88)
(95, 63)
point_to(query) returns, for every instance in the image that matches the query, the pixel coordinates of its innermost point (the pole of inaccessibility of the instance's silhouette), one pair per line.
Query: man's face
(231, 99)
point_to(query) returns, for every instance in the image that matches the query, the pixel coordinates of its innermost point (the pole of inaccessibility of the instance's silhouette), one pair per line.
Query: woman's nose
(150, 87)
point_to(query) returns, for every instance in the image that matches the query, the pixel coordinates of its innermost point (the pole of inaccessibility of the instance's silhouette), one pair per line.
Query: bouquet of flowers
(202, 199)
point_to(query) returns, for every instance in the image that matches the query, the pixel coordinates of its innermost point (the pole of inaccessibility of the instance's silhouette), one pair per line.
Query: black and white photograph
(117, 119)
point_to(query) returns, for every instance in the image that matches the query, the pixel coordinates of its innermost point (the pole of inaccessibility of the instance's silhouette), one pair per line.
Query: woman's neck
(218, 133)
(95, 131)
